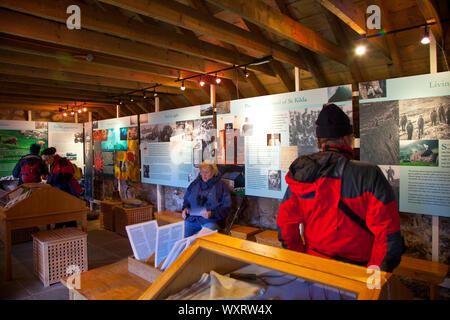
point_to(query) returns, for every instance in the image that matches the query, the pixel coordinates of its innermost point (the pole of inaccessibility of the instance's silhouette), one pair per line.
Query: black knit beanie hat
(49, 151)
(332, 122)
(35, 148)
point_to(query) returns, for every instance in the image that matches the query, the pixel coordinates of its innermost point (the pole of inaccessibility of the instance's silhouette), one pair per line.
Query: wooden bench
(431, 272)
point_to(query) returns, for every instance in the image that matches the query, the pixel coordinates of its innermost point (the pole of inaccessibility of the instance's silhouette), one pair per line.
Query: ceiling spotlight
(131, 99)
(89, 57)
(155, 94)
(246, 74)
(72, 112)
(426, 36)
(120, 102)
(84, 109)
(360, 50)
(202, 83)
(145, 96)
(218, 80)
(182, 86)
(79, 110)
(65, 114)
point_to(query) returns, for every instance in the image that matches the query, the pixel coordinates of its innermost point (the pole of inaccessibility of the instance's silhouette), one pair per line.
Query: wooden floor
(104, 247)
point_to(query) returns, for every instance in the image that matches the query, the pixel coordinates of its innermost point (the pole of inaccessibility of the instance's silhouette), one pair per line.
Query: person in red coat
(61, 177)
(339, 208)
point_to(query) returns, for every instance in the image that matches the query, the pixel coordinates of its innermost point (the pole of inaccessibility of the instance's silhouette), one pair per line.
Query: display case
(34, 204)
(224, 254)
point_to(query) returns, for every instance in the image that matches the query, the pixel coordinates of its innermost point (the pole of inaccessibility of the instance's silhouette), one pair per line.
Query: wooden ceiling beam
(190, 18)
(268, 18)
(29, 27)
(88, 68)
(115, 23)
(344, 42)
(352, 16)
(311, 62)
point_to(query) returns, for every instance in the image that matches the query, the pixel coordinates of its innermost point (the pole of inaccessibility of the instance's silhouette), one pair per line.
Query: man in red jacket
(339, 208)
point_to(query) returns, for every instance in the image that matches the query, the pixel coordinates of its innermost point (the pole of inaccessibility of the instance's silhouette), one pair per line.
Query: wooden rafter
(116, 24)
(184, 16)
(267, 17)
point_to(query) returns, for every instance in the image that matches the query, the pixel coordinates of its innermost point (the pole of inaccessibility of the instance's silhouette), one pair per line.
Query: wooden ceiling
(136, 44)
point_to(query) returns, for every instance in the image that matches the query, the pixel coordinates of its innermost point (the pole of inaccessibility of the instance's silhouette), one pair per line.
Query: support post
(159, 192)
(298, 80)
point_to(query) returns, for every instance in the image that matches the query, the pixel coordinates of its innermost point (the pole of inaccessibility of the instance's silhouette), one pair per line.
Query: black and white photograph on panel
(247, 127)
(157, 132)
(204, 137)
(274, 180)
(392, 174)
(378, 127)
(184, 131)
(302, 130)
(372, 89)
(425, 118)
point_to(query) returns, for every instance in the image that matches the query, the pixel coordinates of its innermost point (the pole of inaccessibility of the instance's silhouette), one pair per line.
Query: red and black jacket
(61, 176)
(320, 186)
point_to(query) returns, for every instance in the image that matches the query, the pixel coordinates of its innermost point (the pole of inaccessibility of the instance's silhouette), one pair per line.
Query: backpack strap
(357, 219)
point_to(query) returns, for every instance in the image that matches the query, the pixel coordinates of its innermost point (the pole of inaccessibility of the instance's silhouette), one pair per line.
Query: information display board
(16, 137)
(67, 138)
(405, 129)
(174, 143)
(268, 133)
(116, 148)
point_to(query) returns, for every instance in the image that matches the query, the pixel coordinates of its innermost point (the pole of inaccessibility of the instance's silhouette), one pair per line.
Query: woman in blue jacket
(207, 201)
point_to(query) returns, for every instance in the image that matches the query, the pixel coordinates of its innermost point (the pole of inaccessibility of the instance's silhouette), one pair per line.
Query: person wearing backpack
(62, 177)
(30, 168)
(339, 208)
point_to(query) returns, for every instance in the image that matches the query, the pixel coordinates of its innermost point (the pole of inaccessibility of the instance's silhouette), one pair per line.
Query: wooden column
(159, 192)
(30, 115)
(298, 80)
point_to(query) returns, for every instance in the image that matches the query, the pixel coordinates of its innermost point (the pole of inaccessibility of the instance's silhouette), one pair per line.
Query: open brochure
(181, 245)
(147, 238)
(167, 242)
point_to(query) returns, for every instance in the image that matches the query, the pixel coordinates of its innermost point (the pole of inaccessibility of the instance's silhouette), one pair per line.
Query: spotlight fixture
(155, 94)
(131, 99)
(426, 36)
(218, 80)
(65, 114)
(120, 102)
(246, 74)
(84, 109)
(182, 86)
(79, 110)
(202, 83)
(143, 93)
(72, 112)
(360, 50)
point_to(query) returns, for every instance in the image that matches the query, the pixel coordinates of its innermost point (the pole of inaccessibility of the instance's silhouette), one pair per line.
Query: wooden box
(107, 214)
(126, 216)
(57, 251)
(225, 254)
(244, 232)
(144, 269)
(268, 237)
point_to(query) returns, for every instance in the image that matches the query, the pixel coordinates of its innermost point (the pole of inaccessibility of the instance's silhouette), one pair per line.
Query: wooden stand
(268, 237)
(225, 254)
(45, 205)
(244, 232)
